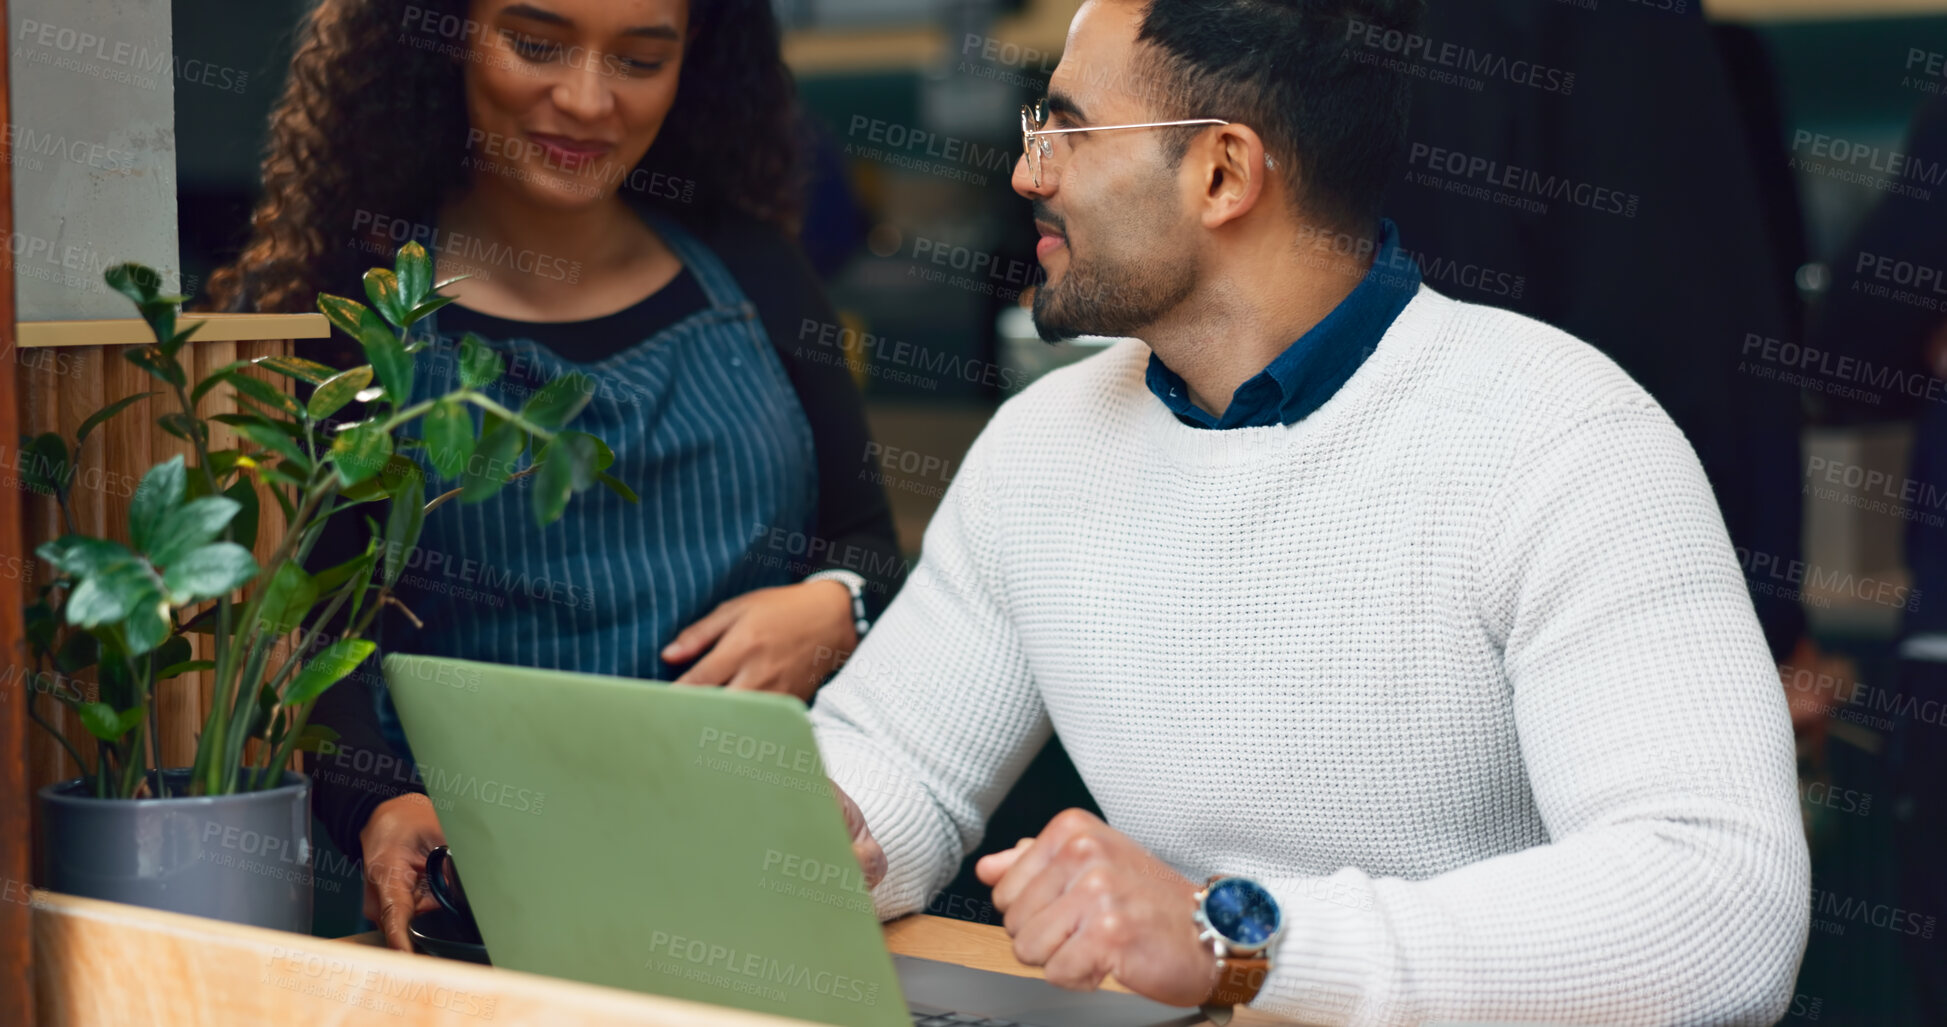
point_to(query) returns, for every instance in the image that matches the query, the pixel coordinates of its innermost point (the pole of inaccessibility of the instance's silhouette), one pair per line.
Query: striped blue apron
(706, 429)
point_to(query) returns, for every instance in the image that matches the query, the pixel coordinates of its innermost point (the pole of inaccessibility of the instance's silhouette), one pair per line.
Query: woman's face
(565, 96)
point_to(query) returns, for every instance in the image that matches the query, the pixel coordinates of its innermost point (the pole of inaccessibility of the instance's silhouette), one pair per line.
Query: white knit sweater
(1461, 666)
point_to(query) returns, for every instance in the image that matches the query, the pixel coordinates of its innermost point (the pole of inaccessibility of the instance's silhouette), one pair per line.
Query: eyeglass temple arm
(1114, 128)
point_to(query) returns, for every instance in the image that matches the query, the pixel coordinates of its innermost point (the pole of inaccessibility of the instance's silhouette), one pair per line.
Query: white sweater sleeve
(935, 716)
(1654, 732)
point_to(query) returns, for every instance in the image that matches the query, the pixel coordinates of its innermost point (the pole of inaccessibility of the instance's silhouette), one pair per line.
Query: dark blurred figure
(1887, 308)
(1665, 239)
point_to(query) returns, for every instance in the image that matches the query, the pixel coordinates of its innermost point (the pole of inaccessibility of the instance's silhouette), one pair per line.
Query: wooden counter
(103, 963)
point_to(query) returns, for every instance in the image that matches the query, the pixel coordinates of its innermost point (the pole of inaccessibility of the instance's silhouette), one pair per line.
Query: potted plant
(229, 836)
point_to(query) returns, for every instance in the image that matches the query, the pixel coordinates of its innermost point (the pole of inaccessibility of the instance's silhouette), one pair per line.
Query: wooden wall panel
(59, 388)
(16, 849)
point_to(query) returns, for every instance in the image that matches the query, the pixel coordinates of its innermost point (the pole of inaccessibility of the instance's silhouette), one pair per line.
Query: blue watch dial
(1242, 911)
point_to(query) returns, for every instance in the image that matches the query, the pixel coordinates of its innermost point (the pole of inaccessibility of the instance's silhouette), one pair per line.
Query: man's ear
(1234, 171)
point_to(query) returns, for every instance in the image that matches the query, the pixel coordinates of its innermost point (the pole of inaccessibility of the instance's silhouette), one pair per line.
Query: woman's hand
(783, 639)
(396, 840)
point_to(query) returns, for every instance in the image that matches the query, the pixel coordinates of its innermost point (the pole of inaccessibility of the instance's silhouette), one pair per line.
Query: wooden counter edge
(107, 963)
(982, 946)
(133, 331)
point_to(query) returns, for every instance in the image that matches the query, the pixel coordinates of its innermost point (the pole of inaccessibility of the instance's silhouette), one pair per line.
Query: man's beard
(1112, 295)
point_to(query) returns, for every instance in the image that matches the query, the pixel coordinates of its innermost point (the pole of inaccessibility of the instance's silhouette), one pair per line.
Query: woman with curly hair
(617, 178)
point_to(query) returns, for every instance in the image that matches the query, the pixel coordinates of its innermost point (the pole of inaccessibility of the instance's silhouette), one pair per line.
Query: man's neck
(1248, 309)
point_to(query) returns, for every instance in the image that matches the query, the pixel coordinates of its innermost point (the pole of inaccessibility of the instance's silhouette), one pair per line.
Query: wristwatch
(1240, 921)
(855, 584)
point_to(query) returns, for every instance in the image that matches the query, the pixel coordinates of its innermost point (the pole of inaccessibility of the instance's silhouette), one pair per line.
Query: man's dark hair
(1298, 73)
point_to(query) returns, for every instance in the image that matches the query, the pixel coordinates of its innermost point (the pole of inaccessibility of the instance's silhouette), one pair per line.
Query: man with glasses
(1399, 638)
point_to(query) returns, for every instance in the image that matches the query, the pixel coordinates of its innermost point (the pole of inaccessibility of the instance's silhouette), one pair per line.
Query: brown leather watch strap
(1238, 981)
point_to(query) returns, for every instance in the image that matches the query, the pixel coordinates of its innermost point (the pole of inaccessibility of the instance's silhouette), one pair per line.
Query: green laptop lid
(675, 840)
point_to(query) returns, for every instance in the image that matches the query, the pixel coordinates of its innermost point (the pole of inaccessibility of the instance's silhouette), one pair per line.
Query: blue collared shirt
(1310, 370)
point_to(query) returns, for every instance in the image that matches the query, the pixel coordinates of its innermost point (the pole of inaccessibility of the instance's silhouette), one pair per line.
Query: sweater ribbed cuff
(902, 819)
(1318, 972)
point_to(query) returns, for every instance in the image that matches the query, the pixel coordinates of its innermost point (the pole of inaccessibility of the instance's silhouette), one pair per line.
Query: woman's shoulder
(771, 270)
(752, 250)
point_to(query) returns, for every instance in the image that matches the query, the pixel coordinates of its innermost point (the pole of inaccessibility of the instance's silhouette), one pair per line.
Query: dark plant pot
(242, 858)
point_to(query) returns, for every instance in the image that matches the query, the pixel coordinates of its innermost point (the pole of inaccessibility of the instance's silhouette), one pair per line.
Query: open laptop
(685, 842)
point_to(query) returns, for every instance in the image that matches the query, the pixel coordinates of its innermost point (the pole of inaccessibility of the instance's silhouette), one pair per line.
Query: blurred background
(1772, 271)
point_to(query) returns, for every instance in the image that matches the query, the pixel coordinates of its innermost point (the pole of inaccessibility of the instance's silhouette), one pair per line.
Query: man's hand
(865, 848)
(783, 639)
(1083, 901)
(396, 840)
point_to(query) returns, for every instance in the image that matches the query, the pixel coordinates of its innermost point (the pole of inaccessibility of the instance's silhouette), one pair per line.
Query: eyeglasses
(1035, 146)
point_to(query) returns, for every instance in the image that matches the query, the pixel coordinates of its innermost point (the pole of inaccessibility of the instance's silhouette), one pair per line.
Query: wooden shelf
(125, 331)
(1814, 10)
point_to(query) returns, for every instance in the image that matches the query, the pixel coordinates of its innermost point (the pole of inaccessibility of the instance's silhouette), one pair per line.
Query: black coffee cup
(452, 896)
(449, 931)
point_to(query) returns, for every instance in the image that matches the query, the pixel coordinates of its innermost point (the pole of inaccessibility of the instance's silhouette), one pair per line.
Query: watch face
(1242, 911)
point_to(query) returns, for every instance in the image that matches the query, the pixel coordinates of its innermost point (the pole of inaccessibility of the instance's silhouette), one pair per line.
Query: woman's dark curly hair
(373, 120)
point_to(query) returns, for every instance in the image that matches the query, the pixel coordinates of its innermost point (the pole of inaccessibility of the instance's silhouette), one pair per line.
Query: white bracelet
(855, 584)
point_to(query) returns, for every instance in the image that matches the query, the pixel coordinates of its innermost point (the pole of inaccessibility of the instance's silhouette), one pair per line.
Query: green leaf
(386, 483)
(204, 623)
(493, 460)
(265, 393)
(414, 315)
(361, 451)
(569, 463)
(79, 652)
(104, 723)
(176, 670)
(449, 437)
(343, 313)
(278, 474)
(136, 281)
(168, 339)
(388, 358)
(189, 526)
(161, 491)
(338, 390)
(157, 363)
(413, 270)
(147, 624)
(600, 457)
(214, 379)
(382, 288)
(100, 417)
(182, 427)
(326, 669)
(175, 342)
(108, 594)
(316, 738)
(261, 711)
(552, 486)
(113, 683)
(172, 652)
(287, 597)
(402, 524)
(560, 400)
(80, 555)
(160, 313)
(210, 572)
(243, 530)
(330, 579)
(480, 366)
(615, 485)
(47, 469)
(268, 434)
(308, 371)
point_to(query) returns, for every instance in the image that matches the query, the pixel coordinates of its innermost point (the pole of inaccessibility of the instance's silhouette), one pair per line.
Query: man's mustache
(1039, 210)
